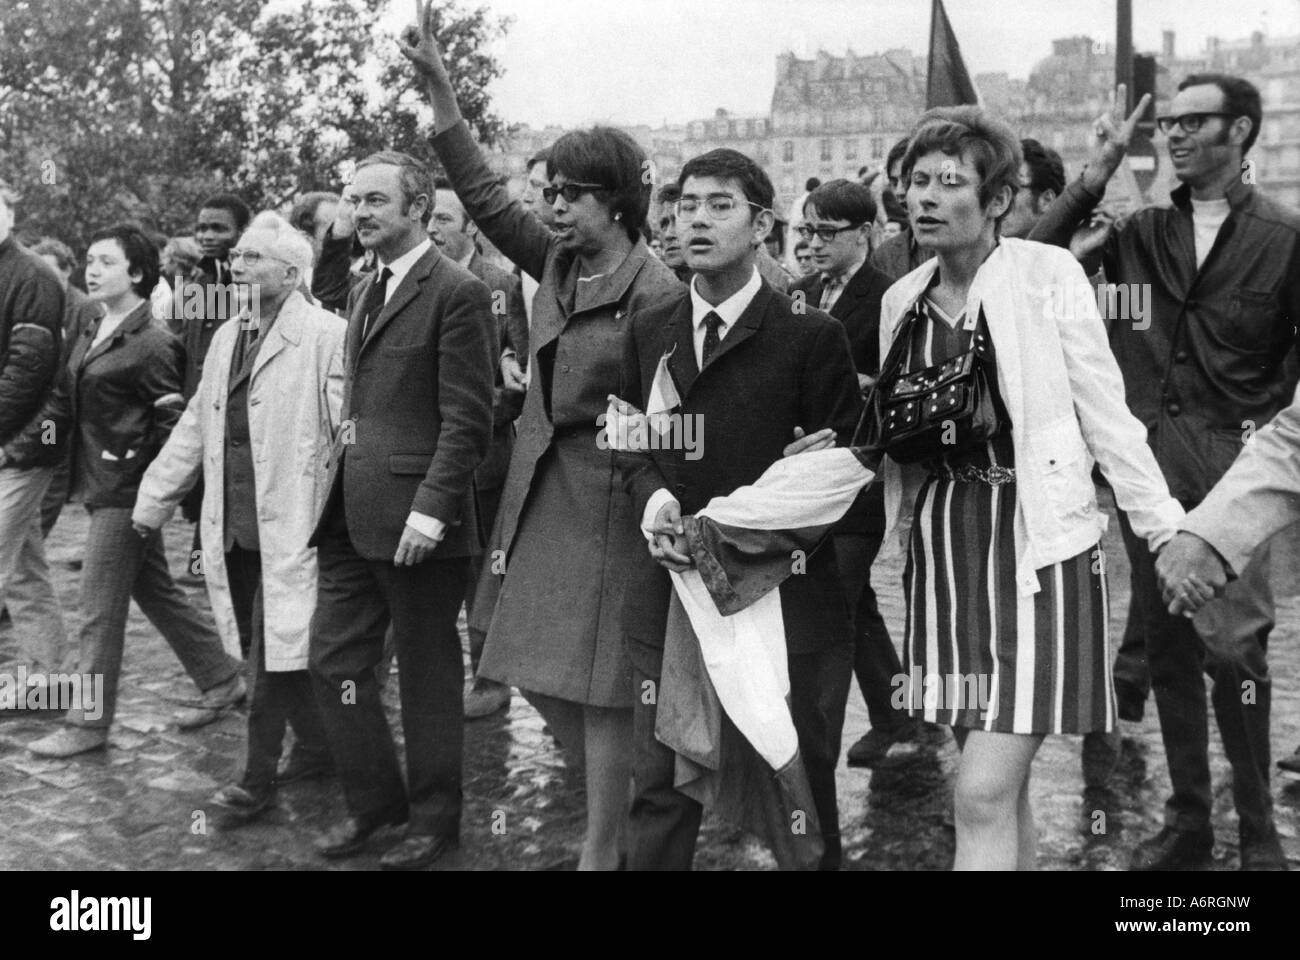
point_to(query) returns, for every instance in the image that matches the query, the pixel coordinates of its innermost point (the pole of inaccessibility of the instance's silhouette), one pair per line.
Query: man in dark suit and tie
(757, 372)
(837, 227)
(399, 525)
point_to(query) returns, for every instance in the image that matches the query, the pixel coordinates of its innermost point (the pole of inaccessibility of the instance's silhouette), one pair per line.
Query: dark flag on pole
(947, 83)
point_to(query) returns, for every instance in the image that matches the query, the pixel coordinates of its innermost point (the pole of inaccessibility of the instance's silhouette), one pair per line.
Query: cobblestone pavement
(143, 804)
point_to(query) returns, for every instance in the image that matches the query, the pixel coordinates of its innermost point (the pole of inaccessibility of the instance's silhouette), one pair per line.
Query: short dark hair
(970, 133)
(541, 156)
(412, 175)
(812, 183)
(843, 200)
(895, 154)
(57, 249)
(668, 195)
(801, 245)
(1046, 171)
(610, 157)
(236, 207)
(141, 253)
(1240, 98)
(727, 164)
(303, 215)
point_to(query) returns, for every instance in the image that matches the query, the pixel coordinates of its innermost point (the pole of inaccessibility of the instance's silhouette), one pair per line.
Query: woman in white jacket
(1007, 632)
(1007, 636)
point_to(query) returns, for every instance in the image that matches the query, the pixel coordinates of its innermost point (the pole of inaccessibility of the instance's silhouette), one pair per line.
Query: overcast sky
(575, 62)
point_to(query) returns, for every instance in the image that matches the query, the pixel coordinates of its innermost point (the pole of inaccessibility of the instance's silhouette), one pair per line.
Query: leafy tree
(113, 109)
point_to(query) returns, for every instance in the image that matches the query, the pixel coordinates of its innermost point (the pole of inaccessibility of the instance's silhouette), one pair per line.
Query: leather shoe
(874, 746)
(485, 698)
(243, 806)
(228, 693)
(233, 796)
(349, 837)
(419, 851)
(1172, 849)
(70, 741)
(1262, 855)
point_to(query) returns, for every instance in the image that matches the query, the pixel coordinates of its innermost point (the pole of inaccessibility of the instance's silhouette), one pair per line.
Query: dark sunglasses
(1190, 122)
(571, 191)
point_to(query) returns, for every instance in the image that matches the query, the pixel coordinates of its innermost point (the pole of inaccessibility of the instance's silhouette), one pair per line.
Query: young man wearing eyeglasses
(1205, 369)
(837, 227)
(756, 370)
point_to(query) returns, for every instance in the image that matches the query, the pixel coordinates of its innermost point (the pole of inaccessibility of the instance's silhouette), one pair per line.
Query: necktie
(711, 339)
(375, 301)
(830, 293)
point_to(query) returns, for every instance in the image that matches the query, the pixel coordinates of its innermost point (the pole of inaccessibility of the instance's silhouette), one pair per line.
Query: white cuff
(431, 527)
(652, 508)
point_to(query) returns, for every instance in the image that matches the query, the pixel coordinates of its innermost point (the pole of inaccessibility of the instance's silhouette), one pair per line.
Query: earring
(618, 216)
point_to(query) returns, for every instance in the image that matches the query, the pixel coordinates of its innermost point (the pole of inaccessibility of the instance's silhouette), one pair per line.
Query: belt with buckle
(994, 476)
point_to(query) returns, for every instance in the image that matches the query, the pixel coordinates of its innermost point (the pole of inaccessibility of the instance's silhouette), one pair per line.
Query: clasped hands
(1190, 572)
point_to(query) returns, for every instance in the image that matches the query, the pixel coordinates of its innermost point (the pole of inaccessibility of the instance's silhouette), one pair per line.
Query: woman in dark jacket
(565, 531)
(119, 398)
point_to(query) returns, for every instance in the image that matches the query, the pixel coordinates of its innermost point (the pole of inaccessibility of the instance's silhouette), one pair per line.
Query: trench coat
(565, 533)
(295, 396)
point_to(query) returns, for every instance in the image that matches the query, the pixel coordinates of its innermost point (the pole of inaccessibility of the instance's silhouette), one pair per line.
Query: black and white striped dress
(976, 653)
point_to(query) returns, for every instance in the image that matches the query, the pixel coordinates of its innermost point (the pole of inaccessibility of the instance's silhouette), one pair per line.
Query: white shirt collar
(403, 264)
(847, 275)
(469, 255)
(731, 308)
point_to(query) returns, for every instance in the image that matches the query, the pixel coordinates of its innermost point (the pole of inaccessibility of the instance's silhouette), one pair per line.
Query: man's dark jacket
(118, 402)
(1207, 365)
(417, 411)
(858, 308)
(31, 343)
(776, 369)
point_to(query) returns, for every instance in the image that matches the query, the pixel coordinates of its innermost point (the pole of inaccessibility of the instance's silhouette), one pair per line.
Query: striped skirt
(979, 655)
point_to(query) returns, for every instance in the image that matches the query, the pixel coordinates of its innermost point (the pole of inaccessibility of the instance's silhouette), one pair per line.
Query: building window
(787, 151)
(826, 151)
(850, 149)
(877, 148)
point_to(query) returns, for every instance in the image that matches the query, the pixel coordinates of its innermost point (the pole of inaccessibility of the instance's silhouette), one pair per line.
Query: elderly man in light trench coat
(260, 428)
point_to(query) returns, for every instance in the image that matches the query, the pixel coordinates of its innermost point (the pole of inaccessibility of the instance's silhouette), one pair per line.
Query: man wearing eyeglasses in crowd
(1205, 367)
(837, 228)
(760, 371)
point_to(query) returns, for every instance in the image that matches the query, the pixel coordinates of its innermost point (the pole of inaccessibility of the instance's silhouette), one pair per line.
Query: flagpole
(929, 58)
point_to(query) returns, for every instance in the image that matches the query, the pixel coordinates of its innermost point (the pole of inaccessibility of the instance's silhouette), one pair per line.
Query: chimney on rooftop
(1167, 47)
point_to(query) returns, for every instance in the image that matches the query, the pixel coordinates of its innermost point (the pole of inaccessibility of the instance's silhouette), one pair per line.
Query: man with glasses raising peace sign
(1204, 367)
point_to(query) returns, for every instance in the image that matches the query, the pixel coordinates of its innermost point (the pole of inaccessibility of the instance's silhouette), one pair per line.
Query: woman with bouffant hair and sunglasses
(565, 535)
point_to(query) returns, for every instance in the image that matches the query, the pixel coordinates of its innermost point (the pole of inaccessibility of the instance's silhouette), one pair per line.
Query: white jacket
(1065, 396)
(295, 398)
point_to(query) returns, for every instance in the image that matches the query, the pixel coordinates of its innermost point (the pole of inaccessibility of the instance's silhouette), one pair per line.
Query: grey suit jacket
(417, 410)
(1258, 496)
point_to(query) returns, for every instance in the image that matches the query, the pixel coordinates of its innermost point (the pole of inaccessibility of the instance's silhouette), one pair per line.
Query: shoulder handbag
(927, 414)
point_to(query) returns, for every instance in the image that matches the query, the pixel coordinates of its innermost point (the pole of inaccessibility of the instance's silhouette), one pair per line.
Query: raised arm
(331, 281)
(506, 222)
(1073, 209)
